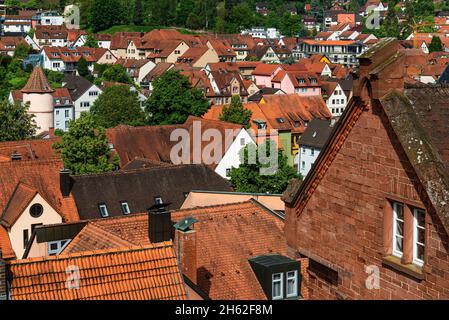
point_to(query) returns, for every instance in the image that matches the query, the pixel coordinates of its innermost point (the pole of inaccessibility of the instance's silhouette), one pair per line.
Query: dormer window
(277, 287)
(292, 284)
(158, 200)
(125, 207)
(103, 210)
(278, 276)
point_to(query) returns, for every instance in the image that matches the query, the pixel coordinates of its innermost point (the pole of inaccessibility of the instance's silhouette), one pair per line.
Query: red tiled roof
(153, 142)
(222, 258)
(21, 197)
(51, 32)
(37, 83)
(138, 273)
(42, 175)
(94, 237)
(264, 69)
(37, 149)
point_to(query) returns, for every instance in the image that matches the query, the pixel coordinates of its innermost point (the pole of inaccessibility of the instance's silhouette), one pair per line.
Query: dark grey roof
(140, 187)
(264, 91)
(76, 85)
(444, 77)
(316, 133)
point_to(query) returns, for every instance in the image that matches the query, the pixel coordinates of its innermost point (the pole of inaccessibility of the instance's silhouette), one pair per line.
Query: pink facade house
(300, 83)
(264, 73)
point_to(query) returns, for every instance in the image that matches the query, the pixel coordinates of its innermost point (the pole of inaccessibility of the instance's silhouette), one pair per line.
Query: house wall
(62, 117)
(286, 141)
(210, 56)
(231, 158)
(342, 222)
(24, 222)
(173, 57)
(204, 199)
(306, 158)
(107, 58)
(86, 98)
(41, 105)
(334, 102)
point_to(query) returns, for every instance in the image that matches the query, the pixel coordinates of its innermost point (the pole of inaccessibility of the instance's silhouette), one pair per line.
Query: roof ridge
(164, 244)
(128, 171)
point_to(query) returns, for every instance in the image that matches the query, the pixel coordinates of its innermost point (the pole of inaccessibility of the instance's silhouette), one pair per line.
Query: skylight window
(280, 120)
(125, 207)
(103, 210)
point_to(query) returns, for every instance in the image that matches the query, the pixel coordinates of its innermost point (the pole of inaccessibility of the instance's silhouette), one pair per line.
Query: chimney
(185, 243)
(3, 289)
(15, 156)
(65, 182)
(159, 223)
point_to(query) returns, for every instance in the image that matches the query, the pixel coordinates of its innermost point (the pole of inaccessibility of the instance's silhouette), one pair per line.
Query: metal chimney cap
(185, 224)
(159, 207)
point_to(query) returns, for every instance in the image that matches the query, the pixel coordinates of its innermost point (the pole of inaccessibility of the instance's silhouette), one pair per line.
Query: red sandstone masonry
(343, 220)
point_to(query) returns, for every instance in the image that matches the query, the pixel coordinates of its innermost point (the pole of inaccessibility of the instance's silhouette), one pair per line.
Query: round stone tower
(39, 95)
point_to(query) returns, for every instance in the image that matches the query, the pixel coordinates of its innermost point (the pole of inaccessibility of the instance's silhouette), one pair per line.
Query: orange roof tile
(264, 69)
(94, 237)
(37, 83)
(223, 268)
(137, 273)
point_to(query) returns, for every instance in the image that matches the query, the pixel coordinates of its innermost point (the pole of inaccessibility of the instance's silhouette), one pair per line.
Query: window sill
(409, 269)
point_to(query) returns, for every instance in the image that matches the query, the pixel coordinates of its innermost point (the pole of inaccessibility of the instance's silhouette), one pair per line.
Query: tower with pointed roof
(39, 95)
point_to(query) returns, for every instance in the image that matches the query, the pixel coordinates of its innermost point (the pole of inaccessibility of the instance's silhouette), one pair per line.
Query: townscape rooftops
(148, 272)
(222, 259)
(140, 187)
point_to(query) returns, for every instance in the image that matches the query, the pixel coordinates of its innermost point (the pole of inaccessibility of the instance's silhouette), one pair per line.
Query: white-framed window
(398, 229)
(85, 104)
(292, 284)
(419, 236)
(303, 165)
(312, 151)
(67, 113)
(242, 141)
(56, 247)
(103, 210)
(125, 207)
(228, 172)
(277, 286)
(158, 200)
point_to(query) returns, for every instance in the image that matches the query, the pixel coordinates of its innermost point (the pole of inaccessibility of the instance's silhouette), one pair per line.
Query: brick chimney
(159, 223)
(3, 289)
(65, 182)
(383, 67)
(186, 248)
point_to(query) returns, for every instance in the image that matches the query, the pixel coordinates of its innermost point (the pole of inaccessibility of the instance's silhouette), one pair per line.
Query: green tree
(262, 176)
(436, 45)
(173, 99)
(138, 13)
(292, 26)
(15, 122)
(116, 73)
(236, 113)
(83, 67)
(103, 14)
(117, 105)
(84, 148)
(21, 51)
(91, 42)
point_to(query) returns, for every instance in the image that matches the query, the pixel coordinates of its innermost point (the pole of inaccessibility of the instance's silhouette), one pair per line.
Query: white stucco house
(335, 98)
(311, 143)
